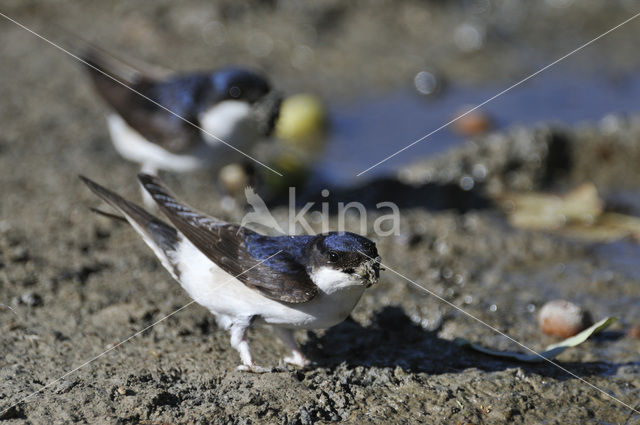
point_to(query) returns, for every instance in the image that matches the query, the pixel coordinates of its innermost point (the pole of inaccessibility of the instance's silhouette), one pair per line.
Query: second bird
(183, 122)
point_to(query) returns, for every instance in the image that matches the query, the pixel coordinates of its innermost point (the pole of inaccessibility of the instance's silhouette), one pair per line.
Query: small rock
(634, 332)
(305, 417)
(563, 319)
(65, 386)
(472, 124)
(19, 254)
(469, 37)
(233, 178)
(31, 299)
(427, 83)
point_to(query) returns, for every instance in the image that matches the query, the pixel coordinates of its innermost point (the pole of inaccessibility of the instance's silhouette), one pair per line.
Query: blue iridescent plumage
(262, 247)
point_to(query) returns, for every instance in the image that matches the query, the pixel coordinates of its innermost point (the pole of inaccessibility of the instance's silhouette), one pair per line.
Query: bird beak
(369, 272)
(266, 111)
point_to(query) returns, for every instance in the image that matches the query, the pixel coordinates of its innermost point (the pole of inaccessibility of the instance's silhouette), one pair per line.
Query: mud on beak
(369, 271)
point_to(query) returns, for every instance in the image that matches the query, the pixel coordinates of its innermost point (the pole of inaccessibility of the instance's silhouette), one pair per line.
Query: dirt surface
(73, 284)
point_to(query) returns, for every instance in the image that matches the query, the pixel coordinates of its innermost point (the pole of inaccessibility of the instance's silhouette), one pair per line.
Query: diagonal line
(501, 93)
(504, 335)
(138, 93)
(226, 282)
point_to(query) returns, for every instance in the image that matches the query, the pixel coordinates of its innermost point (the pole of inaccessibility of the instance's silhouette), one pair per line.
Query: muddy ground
(73, 284)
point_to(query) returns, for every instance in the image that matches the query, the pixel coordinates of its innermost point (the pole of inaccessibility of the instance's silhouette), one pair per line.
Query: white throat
(331, 280)
(229, 120)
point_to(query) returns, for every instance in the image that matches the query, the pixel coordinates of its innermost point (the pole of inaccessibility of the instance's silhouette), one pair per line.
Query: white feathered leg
(241, 344)
(296, 358)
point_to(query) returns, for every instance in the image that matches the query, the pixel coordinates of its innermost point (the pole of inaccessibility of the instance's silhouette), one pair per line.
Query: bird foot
(297, 359)
(253, 369)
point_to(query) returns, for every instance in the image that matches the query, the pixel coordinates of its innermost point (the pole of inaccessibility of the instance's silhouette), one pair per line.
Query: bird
(182, 122)
(244, 278)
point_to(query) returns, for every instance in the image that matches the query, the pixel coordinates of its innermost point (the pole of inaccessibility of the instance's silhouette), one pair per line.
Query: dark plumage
(187, 95)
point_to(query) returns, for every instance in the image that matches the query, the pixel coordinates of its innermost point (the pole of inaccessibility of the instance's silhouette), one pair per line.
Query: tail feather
(161, 237)
(110, 215)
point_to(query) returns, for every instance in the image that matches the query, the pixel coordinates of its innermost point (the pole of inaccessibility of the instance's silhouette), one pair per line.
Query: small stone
(65, 386)
(473, 123)
(305, 417)
(122, 390)
(563, 319)
(19, 254)
(469, 37)
(233, 178)
(634, 332)
(31, 299)
(427, 83)
(466, 183)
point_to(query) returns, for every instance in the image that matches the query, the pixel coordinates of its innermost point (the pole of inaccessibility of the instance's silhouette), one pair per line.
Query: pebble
(472, 124)
(30, 298)
(65, 386)
(427, 83)
(305, 417)
(233, 178)
(469, 37)
(634, 332)
(563, 319)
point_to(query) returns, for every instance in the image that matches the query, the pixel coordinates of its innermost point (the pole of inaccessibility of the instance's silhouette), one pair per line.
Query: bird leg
(241, 344)
(296, 358)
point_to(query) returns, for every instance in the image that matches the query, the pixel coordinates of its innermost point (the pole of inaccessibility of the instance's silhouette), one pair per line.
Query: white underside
(232, 302)
(228, 120)
(132, 146)
(231, 121)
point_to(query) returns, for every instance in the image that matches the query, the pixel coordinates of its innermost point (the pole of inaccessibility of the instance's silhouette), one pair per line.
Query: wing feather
(281, 278)
(154, 123)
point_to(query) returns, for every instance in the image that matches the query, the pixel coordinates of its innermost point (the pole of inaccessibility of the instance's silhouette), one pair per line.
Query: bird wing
(133, 95)
(162, 238)
(280, 276)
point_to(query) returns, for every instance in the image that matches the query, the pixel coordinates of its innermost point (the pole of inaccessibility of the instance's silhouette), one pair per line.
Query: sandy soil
(73, 284)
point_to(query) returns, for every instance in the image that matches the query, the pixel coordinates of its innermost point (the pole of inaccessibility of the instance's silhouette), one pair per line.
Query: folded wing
(132, 95)
(280, 277)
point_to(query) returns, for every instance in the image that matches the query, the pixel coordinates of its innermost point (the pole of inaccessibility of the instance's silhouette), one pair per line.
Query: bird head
(345, 257)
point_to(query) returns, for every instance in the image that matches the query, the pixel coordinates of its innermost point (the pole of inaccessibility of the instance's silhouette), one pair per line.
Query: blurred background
(435, 60)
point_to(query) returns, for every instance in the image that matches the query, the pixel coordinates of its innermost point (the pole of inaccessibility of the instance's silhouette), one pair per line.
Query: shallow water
(368, 130)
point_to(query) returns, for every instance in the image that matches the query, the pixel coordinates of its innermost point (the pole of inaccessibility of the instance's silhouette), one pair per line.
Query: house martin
(243, 277)
(233, 106)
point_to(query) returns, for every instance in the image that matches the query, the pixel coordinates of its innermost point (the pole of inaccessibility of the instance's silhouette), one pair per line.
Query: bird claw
(297, 359)
(253, 369)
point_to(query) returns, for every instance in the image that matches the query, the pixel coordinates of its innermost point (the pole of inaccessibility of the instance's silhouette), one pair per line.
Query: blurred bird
(243, 277)
(183, 122)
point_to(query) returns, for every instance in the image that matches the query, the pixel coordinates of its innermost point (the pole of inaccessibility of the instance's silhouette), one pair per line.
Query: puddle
(622, 257)
(366, 131)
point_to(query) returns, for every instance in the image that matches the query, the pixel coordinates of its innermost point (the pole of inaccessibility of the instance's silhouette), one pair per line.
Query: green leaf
(550, 352)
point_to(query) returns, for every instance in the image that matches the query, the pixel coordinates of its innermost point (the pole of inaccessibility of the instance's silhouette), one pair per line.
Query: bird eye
(333, 256)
